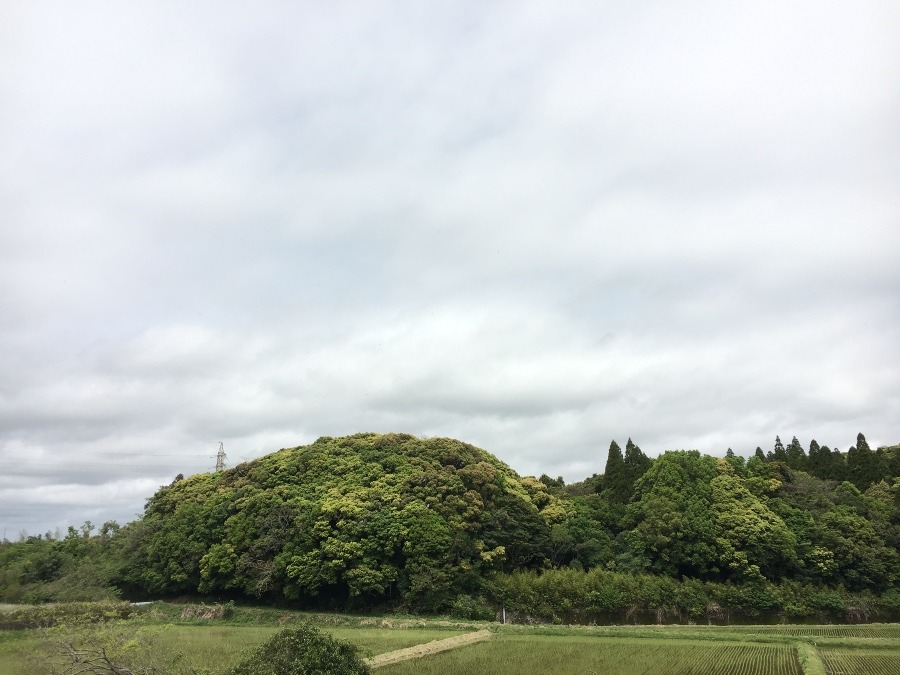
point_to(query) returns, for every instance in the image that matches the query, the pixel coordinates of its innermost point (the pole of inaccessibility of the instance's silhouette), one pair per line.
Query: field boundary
(428, 648)
(810, 663)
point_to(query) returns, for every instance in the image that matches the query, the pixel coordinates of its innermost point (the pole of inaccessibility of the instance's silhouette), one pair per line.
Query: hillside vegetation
(378, 521)
(368, 516)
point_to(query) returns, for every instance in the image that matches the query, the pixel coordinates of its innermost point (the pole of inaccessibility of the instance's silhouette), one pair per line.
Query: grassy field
(219, 646)
(860, 661)
(511, 654)
(14, 648)
(624, 650)
(699, 650)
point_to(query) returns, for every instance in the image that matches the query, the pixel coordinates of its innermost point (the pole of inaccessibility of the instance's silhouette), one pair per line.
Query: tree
(347, 522)
(636, 464)
(817, 460)
(590, 527)
(778, 454)
(862, 464)
(109, 529)
(615, 481)
(736, 462)
(673, 524)
(863, 561)
(753, 540)
(838, 465)
(796, 457)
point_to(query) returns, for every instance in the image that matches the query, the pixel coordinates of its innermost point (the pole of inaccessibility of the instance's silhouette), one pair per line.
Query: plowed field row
(861, 661)
(508, 655)
(854, 631)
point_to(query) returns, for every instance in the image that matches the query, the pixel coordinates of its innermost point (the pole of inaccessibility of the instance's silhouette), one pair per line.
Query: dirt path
(432, 647)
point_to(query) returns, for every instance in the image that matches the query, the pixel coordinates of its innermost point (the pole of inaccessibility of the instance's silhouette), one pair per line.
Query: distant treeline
(371, 521)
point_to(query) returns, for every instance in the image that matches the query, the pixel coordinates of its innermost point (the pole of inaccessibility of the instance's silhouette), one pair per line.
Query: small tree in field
(302, 651)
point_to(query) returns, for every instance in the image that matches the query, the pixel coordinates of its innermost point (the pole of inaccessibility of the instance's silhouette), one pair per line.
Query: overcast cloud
(534, 227)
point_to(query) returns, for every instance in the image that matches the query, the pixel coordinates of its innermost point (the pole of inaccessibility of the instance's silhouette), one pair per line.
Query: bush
(302, 651)
(207, 612)
(890, 603)
(69, 613)
(472, 609)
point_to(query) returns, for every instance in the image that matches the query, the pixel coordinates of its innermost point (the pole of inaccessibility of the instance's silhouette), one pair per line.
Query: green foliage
(778, 454)
(809, 659)
(590, 530)
(74, 569)
(795, 456)
(66, 613)
(471, 609)
(302, 650)
(751, 539)
(737, 463)
(601, 596)
(392, 520)
(346, 521)
(615, 465)
(865, 467)
(673, 523)
(117, 648)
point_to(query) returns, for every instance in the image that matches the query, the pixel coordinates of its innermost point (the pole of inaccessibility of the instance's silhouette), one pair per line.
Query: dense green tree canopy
(367, 516)
(429, 524)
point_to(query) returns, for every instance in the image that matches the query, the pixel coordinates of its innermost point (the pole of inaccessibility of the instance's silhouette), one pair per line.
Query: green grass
(861, 661)
(15, 646)
(523, 654)
(866, 631)
(219, 646)
(613, 650)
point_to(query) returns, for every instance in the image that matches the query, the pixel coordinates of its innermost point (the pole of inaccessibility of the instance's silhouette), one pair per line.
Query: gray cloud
(534, 228)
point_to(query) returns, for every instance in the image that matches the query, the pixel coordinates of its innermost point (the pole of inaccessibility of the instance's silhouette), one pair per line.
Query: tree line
(377, 521)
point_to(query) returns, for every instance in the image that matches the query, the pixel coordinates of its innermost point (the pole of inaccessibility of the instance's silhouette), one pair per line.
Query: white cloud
(534, 228)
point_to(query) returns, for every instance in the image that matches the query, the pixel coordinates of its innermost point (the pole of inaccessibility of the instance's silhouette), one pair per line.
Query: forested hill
(367, 515)
(373, 520)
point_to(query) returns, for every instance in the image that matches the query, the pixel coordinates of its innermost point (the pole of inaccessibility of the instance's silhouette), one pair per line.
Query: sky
(532, 226)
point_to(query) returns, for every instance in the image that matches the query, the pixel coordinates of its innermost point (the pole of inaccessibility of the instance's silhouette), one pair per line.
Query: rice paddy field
(860, 661)
(214, 646)
(585, 654)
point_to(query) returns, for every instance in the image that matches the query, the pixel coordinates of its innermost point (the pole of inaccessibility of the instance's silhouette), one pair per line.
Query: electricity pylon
(220, 457)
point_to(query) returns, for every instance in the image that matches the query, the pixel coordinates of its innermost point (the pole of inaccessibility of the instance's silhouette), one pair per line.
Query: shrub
(302, 651)
(70, 613)
(473, 609)
(207, 612)
(890, 603)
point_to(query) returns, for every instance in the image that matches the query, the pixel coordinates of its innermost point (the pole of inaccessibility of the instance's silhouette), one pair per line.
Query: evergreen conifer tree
(737, 462)
(796, 457)
(837, 466)
(814, 461)
(614, 476)
(863, 464)
(779, 454)
(636, 464)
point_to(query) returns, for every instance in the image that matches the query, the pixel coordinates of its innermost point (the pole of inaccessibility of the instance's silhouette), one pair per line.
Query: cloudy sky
(534, 227)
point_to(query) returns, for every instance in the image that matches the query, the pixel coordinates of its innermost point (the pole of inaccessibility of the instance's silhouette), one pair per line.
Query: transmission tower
(220, 457)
